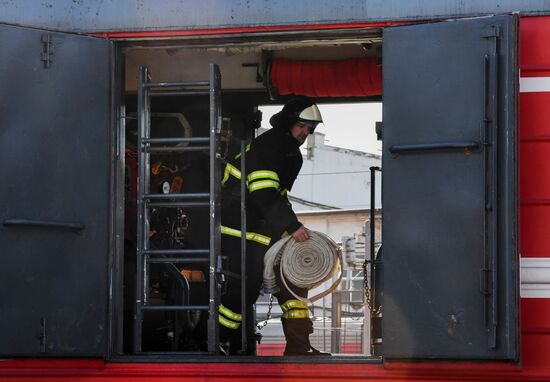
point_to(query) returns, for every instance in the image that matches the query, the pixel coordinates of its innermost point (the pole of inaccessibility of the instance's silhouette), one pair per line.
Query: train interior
(254, 73)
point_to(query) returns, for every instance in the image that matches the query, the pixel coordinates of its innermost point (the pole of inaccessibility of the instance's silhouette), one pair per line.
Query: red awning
(356, 77)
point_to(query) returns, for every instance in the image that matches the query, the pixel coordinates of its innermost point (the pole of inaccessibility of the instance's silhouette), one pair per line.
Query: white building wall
(334, 176)
(336, 224)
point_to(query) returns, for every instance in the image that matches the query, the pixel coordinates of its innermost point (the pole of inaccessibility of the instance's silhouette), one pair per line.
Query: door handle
(435, 146)
(43, 223)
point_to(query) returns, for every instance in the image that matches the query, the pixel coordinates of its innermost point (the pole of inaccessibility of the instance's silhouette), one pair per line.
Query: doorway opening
(247, 96)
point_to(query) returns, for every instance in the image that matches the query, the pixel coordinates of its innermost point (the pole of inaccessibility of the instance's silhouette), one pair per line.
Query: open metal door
(450, 190)
(55, 150)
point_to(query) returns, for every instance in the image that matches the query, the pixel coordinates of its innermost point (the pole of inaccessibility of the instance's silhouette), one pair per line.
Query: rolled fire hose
(305, 265)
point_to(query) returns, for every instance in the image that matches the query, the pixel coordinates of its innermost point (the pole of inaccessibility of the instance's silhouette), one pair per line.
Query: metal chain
(366, 285)
(264, 324)
(368, 291)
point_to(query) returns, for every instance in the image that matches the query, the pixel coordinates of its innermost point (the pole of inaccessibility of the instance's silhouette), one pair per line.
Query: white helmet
(299, 109)
(311, 115)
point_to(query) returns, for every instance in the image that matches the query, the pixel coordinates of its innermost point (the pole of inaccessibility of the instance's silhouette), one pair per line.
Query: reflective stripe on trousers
(296, 313)
(229, 319)
(253, 236)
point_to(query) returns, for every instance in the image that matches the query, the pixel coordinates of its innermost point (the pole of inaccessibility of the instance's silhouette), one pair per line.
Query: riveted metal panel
(150, 15)
(55, 149)
(449, 190)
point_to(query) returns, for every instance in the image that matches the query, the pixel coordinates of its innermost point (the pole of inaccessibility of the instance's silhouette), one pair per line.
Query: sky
(351, 126)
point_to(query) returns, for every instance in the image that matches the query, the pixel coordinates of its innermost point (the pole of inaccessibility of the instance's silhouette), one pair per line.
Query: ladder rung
(176, 196)
(176, 140)
(177, 148)
(176, 252)
(175, 84)
(168, 93)
(178, 204)
(179, 260)
(174, 307)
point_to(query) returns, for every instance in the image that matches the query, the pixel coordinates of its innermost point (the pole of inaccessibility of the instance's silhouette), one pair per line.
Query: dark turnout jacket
(273, 161)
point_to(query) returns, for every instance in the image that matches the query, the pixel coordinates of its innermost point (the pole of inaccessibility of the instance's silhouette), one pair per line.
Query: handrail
(43, 223)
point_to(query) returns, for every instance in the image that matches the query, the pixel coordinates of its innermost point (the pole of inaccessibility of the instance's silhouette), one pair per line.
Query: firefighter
(273, 161)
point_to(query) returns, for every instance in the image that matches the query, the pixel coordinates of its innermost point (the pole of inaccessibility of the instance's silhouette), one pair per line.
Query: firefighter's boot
(297, 331)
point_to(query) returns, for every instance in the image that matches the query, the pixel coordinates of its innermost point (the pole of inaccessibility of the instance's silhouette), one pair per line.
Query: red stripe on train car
(240, 30)
(533, 46)
(534, 127)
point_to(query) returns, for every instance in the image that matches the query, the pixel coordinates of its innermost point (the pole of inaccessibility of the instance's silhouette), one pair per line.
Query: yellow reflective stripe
(230, 314)
(293, 304)
(284, 191)
(225, 176)
(246, 150)
(262, 239)
(265, 240)
(228, 323)
(230, 170)
(234, 171)
(298, 313)
(262, 174)
(260, 184)
(230, 231)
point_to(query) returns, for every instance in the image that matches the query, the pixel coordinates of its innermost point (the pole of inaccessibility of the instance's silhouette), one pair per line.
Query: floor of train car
(335, 358)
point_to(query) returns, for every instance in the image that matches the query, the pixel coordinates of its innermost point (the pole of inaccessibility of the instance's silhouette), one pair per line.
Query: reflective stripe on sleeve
(225, 176)
(230, 170)
(230, 314)
(293, 304)
(262, 174)
(228, 323)
(246, 150)
(296, 313)
(262, 239)
(261, 184)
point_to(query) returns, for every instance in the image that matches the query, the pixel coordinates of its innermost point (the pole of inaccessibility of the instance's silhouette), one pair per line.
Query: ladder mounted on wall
(146, 200)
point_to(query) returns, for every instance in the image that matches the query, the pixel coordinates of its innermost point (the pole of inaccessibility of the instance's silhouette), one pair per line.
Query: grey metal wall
(142, 15)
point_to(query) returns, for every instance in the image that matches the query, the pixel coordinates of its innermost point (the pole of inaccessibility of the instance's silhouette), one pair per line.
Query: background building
(334, 178)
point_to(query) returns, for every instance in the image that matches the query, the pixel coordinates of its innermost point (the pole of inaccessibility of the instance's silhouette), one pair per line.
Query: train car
(116, 119)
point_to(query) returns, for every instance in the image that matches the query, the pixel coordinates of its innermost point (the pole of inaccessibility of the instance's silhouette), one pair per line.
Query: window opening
(173, 332)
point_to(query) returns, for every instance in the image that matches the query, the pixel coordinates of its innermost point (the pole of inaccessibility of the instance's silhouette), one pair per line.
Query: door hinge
(42, 335)
(47, 50)
(490, 31)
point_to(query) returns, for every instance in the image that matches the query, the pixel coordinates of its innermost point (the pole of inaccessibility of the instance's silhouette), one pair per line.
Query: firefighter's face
(300, 131)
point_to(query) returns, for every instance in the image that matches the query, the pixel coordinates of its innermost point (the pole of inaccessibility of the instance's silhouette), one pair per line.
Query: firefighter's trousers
(294, 311)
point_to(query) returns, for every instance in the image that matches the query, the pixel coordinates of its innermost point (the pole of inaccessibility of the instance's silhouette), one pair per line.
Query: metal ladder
(145, 201)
